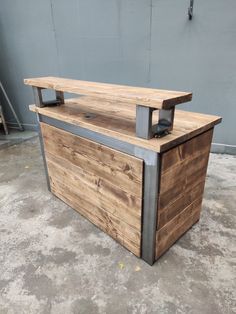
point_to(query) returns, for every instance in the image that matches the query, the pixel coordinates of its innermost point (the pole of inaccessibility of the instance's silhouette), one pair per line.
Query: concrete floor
(15, 137)
(54, 261)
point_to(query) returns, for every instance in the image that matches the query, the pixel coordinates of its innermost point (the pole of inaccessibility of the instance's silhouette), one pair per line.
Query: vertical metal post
(38, 98)
(43, 152)
(144, 122)
(150, 195)
(144, 127)
(166, 118)
(60, 97)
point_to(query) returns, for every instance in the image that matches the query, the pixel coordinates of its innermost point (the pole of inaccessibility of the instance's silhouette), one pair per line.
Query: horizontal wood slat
(196, 179)
(117, 229)
(169, 212)
(171, 232)
(123, 205)
(186, 151)
(156, 98)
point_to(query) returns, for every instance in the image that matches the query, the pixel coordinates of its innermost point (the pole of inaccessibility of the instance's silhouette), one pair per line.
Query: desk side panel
(182, 180)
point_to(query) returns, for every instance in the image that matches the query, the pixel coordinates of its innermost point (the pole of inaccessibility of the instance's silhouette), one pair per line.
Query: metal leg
(143, 122)
(38, 98)
(165, 122)
(150, 194)
(43, 152)
(144, 127)
(60, 97)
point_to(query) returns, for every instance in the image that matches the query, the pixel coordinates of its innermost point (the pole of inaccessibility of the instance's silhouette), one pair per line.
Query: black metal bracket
(190, 10)
(144, 127)
(165, 123)
(39, 102)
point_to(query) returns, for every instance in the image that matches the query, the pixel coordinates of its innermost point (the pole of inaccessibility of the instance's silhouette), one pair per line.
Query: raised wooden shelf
(155, 98)
(117, 119)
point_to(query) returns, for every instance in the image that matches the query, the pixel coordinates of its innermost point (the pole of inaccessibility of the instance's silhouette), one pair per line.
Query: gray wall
(137, 42)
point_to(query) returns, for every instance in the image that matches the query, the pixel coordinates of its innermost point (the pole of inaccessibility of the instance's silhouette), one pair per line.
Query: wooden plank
(174, 208)
(119, 123)
(182, 173)
(182, 179)
(186, 151)
(118, 230)
(117, 168)
(156, 98)
(108, 197)
(173, 230)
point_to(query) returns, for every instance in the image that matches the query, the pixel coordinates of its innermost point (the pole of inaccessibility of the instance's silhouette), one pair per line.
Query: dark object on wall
(145, 193)
(190, 10)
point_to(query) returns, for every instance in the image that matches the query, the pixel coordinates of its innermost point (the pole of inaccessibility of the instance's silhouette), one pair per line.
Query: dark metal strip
(150, 192)
(38, 98)
(144, 122)
(43, 152)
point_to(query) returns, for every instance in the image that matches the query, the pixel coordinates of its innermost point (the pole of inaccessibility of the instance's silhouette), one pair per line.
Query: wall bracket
(190, 10)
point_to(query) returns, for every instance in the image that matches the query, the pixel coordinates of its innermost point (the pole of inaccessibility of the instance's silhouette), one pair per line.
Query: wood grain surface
(156, 98)
(176, 227)
(183, 173)
(102, 184)
(118, 121)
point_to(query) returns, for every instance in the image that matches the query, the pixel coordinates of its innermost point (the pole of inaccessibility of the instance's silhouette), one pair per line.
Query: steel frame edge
(43, 152)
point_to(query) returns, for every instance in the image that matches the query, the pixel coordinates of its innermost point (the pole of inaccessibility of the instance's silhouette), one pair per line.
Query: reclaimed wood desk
(141, 182)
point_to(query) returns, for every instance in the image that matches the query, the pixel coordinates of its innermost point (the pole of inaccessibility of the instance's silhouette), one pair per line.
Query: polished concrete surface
(52, 260)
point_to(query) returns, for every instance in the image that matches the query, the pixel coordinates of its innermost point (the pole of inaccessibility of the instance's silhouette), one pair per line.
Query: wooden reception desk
(125, 159)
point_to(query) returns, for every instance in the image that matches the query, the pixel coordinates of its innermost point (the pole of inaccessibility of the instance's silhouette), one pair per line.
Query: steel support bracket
(144, 127)
(165, 122)
(39, 102)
